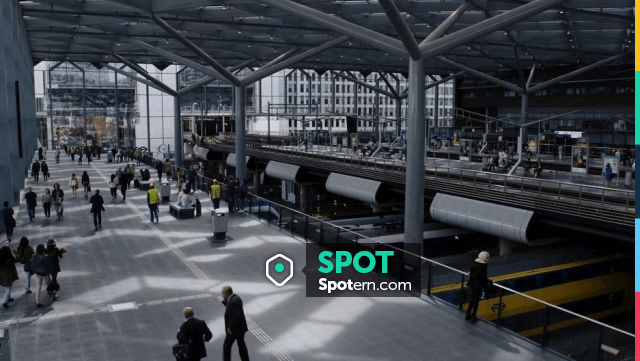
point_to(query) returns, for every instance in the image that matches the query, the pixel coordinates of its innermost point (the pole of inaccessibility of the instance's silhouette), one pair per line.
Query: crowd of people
(43, 264)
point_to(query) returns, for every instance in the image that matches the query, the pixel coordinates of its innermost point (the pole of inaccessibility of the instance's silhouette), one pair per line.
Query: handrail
(520, 293)
(453, 269)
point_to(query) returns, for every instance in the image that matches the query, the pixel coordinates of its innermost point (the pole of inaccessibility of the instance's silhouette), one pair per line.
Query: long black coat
(234, 319)
(195, 333)
(97, 203)
(478, 275)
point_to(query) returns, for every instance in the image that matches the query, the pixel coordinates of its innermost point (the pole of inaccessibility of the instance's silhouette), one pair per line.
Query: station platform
(123, 289)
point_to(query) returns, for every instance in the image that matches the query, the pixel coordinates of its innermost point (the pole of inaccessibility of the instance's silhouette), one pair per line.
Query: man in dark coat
(32, 200)
(194, 333)
(97, 206)
(35, 170)
(235, 325)
(478, 282)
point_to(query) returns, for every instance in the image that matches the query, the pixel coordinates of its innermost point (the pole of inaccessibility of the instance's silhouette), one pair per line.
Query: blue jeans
(27, 280)
(32, 213)
(153, 211)
(7, 293)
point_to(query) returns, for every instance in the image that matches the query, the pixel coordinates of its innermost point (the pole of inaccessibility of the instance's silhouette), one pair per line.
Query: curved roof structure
(219, 36)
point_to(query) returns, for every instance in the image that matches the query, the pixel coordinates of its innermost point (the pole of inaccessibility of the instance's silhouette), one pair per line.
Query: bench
(180, 212)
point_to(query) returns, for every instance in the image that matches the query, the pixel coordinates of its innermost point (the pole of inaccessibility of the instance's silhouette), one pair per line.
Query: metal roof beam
(460, 37)
(178, 59)
(572, 74)
(280, 58)
(339, 25)
(266, 71)
(493, 79)
(144, 73)
(352, 78)
(201, 53)
(406, 35)
(445, 25)
(143, 81)
(431, 85)
(391, 87)
(206, 80)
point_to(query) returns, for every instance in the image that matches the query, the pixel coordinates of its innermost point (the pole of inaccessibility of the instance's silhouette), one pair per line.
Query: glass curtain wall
(86, 105)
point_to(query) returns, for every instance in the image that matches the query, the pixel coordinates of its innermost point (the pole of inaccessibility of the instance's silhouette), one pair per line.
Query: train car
(597, 288)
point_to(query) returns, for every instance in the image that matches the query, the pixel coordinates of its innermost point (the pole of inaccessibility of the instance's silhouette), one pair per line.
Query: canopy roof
(359, 35)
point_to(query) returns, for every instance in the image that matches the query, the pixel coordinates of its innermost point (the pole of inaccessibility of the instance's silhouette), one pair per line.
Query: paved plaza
(124, 287)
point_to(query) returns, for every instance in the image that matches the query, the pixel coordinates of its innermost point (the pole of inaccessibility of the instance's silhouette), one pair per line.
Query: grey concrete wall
(15, 66)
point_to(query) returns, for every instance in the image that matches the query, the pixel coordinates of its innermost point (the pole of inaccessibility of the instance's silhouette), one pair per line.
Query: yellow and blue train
(597, 287)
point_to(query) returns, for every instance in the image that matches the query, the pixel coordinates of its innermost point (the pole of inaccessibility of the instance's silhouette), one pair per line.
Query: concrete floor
(124, 287)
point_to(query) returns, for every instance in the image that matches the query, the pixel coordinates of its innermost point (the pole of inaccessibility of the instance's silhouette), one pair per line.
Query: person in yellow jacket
(153, 200)
(216, 190)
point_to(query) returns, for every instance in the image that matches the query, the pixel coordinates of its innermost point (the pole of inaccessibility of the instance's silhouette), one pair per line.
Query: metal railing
(598, 341)
(592, 195)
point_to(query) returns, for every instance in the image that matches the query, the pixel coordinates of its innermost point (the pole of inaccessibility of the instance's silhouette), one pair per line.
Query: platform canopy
(221, 36)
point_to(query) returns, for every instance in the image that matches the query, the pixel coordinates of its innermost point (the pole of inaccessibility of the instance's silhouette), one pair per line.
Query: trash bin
(5, 351)
(627, 178)
(165, 191)
(219, 221)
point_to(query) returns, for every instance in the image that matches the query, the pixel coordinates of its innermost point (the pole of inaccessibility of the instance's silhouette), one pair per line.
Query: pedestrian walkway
(123, 289)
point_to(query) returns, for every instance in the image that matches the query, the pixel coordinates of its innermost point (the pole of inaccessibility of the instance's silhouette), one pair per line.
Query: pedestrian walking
(8, 273)
(58, 199)
(32, 200)
(167, 168)
(193, 333)
(46, 203)
(54, 253)
(40, 153)
(73, 184)
(478, 282)
(40, 268)
(8, 220)
(123, 186)
(86, 184)
(608, 174)
(235, 324)
(23, 255)
(113, 187)
(57, 156)
(231, 194)
(159, 167)
(44, 168)
(80, 158)
(97, 207)
(216, 191)
(35, 170)
(153, 200)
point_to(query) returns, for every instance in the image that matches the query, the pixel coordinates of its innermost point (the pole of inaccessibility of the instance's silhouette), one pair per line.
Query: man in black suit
(235, 325)
(194, 333)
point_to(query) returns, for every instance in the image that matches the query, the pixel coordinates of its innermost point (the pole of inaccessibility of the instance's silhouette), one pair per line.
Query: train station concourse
(375, 180)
